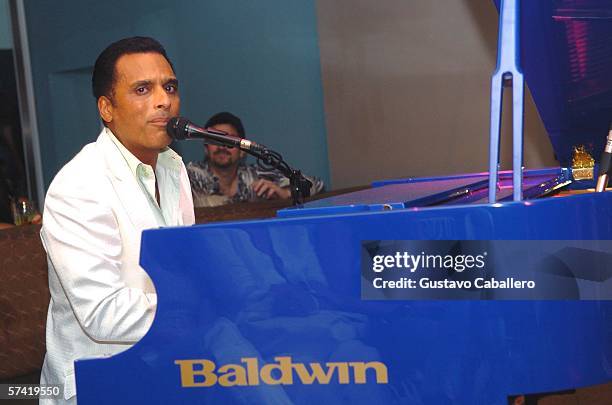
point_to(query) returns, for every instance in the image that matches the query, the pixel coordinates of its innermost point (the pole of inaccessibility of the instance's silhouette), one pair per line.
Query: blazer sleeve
(186, 198)
(83, 244)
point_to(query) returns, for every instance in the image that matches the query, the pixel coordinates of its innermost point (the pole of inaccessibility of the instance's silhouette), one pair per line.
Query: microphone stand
(270, 160)
(604, 164)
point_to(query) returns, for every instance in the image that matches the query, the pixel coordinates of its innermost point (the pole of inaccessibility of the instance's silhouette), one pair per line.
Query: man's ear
(242, 155)
(105, 108)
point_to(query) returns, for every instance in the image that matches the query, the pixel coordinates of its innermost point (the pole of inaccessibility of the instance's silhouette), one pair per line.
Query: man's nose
(162, 99)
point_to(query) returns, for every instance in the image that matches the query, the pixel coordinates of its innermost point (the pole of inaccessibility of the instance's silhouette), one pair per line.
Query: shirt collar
(167, 158)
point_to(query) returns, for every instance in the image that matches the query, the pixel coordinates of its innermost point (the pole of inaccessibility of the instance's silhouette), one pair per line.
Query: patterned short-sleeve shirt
(204, 183)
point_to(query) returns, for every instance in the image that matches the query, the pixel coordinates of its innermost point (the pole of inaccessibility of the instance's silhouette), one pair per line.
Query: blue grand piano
(272, 311)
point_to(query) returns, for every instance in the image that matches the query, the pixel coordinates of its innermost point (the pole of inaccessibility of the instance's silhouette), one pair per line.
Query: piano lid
(566, 56)
(417, 193)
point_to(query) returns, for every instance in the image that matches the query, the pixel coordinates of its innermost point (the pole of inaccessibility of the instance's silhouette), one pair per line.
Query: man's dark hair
(103, 78)
(226, 118)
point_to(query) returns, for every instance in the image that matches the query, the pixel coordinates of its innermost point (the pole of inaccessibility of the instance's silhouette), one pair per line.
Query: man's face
(145, 96)
(221, 156)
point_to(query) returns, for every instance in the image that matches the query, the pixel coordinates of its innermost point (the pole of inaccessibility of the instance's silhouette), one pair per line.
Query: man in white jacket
(97, 206)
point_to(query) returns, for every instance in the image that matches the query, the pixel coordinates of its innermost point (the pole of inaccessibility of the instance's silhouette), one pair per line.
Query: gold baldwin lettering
(205, 373)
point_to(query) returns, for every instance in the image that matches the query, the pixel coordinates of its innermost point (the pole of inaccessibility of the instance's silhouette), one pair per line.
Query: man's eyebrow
(141, 83)
(172, 80)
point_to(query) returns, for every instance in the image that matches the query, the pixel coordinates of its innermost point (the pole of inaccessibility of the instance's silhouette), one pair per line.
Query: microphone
(180, 128)
(604, 164)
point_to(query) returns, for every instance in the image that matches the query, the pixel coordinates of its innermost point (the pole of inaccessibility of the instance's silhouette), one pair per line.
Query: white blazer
(102, 301)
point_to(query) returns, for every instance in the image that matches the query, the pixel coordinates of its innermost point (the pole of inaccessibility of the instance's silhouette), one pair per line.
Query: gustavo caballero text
(479, 283)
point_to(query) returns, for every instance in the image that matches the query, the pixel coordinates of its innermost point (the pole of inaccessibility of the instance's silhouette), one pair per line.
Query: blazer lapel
(128, 191)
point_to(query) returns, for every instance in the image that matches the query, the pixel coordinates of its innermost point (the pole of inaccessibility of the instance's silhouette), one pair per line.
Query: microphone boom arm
(270, 160)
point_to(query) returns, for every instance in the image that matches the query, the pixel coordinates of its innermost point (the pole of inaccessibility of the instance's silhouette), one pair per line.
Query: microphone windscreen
(177, 128)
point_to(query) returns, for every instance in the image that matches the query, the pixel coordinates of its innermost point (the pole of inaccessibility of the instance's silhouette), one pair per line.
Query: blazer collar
(125, 184)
